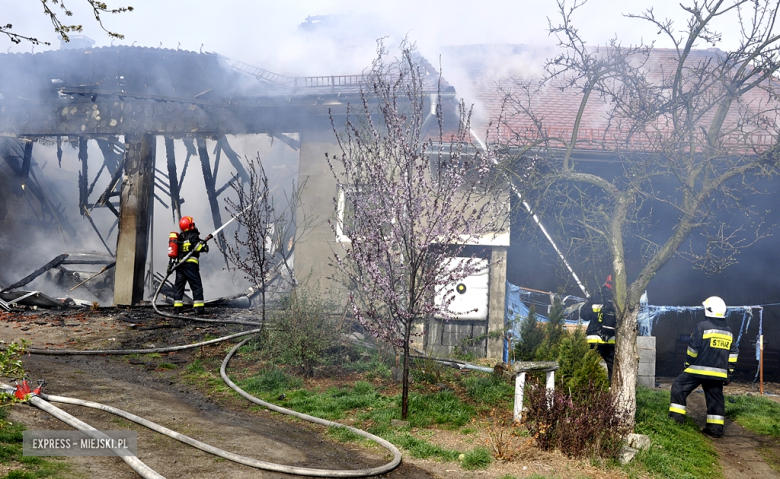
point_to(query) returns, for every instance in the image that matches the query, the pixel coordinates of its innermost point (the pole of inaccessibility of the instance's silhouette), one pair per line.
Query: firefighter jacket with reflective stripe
(712, 350)
(191, 240)
(600, 312)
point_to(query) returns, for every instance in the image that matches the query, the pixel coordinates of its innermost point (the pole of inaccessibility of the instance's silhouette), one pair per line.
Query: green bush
(531, 336)
(304, 334)
(580, 366)
(426, 371)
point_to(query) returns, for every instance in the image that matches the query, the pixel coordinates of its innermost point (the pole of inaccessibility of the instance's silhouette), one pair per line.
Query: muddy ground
(143, 388)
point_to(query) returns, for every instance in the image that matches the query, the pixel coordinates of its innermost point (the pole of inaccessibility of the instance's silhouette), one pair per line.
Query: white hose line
(93, 352)
(303, 471)
(136, 464)
(316, 472)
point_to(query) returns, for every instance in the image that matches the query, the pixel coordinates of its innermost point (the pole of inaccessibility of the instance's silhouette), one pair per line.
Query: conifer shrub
(588, 424)
(531, 336)
(580, 366)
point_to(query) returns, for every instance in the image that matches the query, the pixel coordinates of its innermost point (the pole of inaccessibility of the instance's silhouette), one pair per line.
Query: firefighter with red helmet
(712, 355)
(599, 310)
(189, 271)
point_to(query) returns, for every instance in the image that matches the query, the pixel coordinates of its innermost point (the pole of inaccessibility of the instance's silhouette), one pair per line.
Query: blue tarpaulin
(518, 300)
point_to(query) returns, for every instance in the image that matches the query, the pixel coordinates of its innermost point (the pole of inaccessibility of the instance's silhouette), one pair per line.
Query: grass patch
(28, 466)
(195, 367)
(270, 382)
(343, 434)
(478, 458)
(373, 411)
(679, 451)
(422, 449)
(167, 366)
(489, 390)
(755, 413)
(761, 416)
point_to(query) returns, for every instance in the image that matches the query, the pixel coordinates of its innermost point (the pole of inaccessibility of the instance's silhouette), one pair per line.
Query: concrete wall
(496, 302)
(314, 253)
(646, 349)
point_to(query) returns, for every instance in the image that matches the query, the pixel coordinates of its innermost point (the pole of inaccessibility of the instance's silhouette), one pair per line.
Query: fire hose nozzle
(41, 384)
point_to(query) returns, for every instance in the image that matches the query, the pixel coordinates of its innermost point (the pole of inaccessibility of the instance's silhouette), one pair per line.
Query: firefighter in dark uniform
(712, 354)
(599, 310)
(189, 272)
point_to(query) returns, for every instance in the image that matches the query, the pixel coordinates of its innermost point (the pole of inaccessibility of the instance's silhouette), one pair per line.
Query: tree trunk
(626, 367)
(405, 393)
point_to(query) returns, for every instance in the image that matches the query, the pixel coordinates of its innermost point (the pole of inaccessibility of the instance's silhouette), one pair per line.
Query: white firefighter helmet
(714, 307)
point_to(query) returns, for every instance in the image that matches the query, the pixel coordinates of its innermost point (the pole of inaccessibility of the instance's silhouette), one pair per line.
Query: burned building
(149, 116)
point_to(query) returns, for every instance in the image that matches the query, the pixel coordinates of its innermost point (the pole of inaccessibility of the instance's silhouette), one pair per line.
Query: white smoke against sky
(267, 34)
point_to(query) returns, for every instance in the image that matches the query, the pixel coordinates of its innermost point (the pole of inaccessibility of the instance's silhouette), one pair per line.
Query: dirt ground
(226, 422)
(739, 450)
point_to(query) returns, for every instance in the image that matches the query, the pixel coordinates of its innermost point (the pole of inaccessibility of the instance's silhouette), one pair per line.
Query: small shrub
(478, 458)
(580, 366)
(587, 425)
(501, 437)
(305, 334)
(531, 336)
(426, 371)
(553, 333)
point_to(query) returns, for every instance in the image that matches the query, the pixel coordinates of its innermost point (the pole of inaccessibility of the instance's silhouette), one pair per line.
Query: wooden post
(135, 202)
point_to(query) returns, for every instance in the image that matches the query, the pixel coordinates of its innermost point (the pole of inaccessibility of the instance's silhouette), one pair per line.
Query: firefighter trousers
(607, 353)
(713, 394)
(188, 273)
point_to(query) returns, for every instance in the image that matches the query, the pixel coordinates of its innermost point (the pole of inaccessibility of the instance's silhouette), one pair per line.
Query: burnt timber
(140, 93)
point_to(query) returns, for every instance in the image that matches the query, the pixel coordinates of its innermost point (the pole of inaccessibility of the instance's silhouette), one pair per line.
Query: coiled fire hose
(148, 473)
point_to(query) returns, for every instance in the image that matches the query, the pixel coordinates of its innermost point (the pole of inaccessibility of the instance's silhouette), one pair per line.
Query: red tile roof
(480, 72)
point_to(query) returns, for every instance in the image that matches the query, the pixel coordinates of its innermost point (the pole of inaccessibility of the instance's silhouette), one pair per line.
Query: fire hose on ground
(136, 464)
(148, 473)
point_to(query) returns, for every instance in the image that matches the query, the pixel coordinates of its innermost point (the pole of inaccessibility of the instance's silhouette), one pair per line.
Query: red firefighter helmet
(186, 223)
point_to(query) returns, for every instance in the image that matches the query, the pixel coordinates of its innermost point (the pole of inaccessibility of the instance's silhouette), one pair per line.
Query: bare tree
(408, 203)
(265, 244)
(689, 133)
(51, 10)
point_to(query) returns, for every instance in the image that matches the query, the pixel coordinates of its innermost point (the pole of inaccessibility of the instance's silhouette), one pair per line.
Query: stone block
(646, 381)
(647, 356)
(627, 454)
(647, 369)
(638, 441)
(645, 342)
